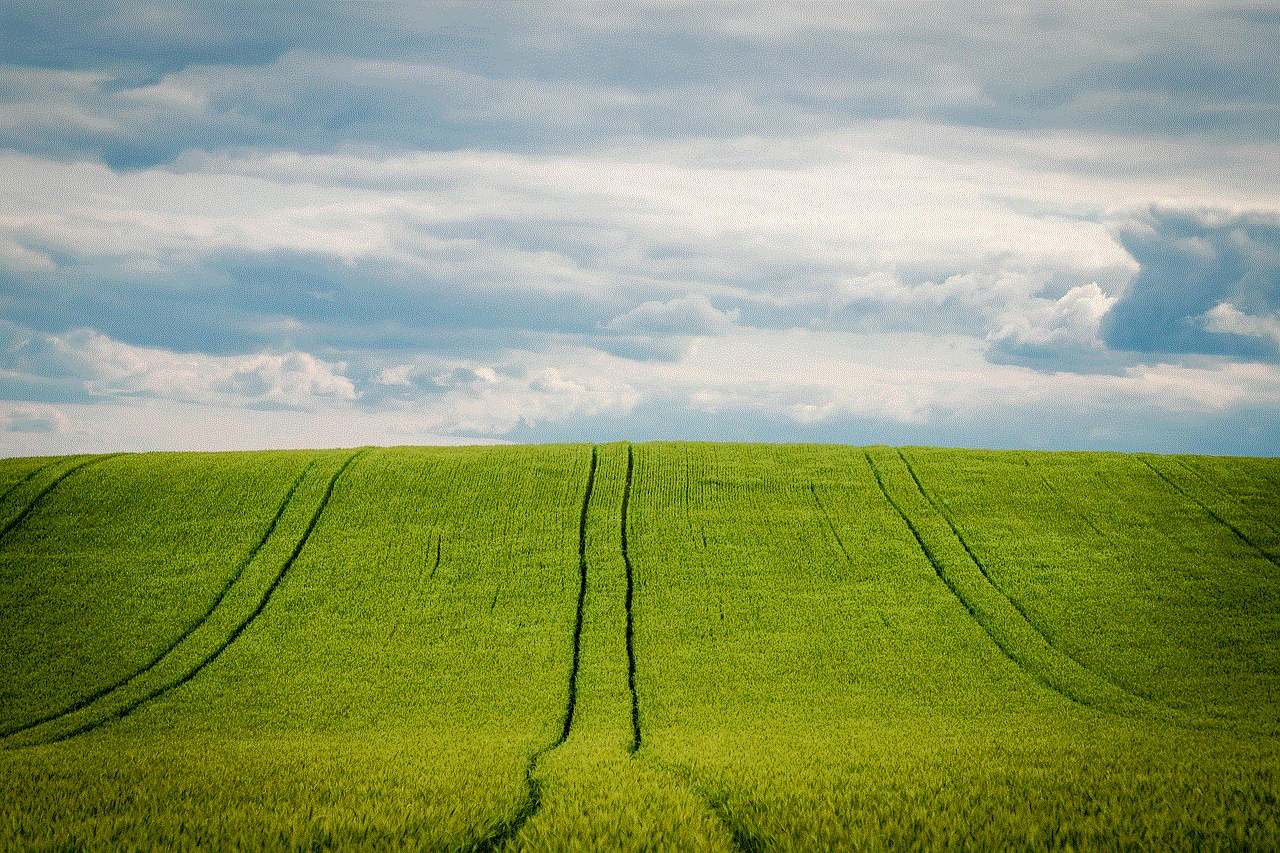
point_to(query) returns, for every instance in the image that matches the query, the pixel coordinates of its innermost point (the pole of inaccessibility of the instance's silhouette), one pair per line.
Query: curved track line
(1166, 712)
(30, 507)
(163, 689)
(1204, 478)
(964, 543)
(32, 475)
(1062, 498)
(1012, 601)
(831, 525)
(743, 841)
(200, 620)
(950, 584)
(1239, 534)
(503, 833)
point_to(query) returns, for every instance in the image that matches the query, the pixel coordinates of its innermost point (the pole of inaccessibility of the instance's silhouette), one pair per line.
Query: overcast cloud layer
(279, 225)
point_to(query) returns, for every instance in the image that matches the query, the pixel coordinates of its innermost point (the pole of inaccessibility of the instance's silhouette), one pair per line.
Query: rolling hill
(640, 647)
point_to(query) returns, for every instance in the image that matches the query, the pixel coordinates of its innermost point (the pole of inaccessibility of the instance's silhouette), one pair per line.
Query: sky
(240, 226)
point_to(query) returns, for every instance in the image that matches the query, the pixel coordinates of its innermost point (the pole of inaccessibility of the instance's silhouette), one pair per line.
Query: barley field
(640, 647)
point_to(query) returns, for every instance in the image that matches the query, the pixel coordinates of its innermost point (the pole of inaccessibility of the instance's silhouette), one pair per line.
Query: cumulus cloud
(1209, 283)
(1059, 334)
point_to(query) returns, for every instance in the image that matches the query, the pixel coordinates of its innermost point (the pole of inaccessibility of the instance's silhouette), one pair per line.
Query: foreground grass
(660, 646)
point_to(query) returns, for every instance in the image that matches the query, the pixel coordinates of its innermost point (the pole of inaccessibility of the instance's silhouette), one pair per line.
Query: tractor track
(1004, 646)
(191, 673)
(1239, 534)
(1217, 487)
(31, 475)
(742, 841)
(1062, 498)
(53, 484)
(986, 574)
(831, 525)
(188, 631)
(630, 628)
(504, 832)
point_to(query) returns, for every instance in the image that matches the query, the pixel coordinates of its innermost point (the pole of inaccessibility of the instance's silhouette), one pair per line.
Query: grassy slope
(828, 690)
(833, 648)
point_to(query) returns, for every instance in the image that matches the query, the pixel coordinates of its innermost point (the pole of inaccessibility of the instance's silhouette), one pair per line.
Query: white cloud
(1225, 317)
(107, 368)
(1058, 332)
(688, 315)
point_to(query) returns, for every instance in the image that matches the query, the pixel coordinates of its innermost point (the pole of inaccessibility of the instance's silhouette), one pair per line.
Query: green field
(657, 646)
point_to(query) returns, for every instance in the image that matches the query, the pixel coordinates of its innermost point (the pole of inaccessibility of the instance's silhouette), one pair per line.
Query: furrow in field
(1216, 516)
(830, 524)
(630, 627)
(32, 474)
(113, 706)
(740, 842)
(1048, 484)
(505, 832)
(1226, 494)
(103, 691)
(957, 567)
(572, 700)
(31, 505)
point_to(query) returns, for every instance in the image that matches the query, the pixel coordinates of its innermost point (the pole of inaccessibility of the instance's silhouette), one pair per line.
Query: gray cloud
(1209, 283)
(139, 85)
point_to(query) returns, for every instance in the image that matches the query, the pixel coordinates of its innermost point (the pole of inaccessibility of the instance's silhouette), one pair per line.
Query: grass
(640, 647)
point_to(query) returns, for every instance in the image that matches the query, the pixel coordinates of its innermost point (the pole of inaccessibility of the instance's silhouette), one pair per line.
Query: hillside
(651, 646)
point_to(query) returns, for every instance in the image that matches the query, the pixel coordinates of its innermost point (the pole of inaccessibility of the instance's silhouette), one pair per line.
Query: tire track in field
(504, 832)
(1019, 658)
(831, 525)
(191, 673)
(31, 505)
(1217, 487)
(955, 529)
(188, 631)
(629, 634)
(742, 841)
(1239, 534)
(31, 475)
(1062, 499)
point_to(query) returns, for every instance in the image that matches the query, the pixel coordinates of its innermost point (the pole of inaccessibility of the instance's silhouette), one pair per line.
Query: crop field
(664, 646)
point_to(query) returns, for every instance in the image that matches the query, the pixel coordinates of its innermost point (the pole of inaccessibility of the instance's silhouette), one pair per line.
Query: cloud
(1057, 334)
(34, 419)
(137, 86)
(84, 364)
(487, 220)
(1209, 283)
(689, 315)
